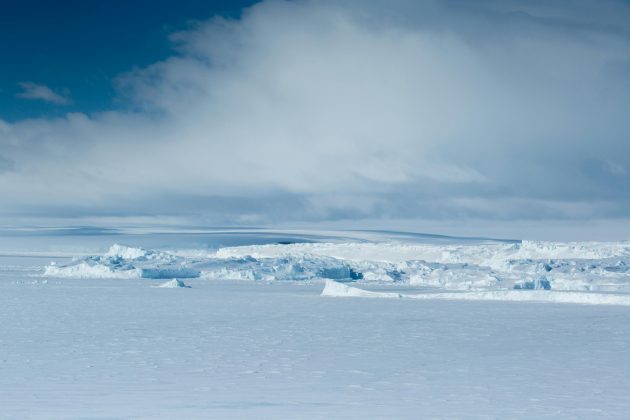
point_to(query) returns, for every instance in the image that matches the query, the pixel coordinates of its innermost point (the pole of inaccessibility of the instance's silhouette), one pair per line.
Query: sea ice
(484, 266)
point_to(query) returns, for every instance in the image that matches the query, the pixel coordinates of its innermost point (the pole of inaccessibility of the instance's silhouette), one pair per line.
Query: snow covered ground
(404, 328)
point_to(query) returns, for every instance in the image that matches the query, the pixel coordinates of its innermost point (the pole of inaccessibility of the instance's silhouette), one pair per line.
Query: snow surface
(92, 348)
(468, 329)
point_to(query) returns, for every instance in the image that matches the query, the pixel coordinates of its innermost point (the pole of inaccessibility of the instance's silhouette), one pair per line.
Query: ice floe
(335, 289)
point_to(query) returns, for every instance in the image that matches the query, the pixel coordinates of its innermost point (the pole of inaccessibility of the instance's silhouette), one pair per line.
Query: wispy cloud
(37, 92)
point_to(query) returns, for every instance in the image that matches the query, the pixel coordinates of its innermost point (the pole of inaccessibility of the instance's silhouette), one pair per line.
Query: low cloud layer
(328, 110)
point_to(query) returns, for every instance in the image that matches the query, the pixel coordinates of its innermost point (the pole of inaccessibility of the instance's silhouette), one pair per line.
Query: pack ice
(479, 266)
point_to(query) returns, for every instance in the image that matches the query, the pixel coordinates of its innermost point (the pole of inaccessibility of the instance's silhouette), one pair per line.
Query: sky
(77, 47)
(366, 113)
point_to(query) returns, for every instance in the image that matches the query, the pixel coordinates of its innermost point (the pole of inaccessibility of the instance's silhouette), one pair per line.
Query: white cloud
(34, 91)
(324, 110)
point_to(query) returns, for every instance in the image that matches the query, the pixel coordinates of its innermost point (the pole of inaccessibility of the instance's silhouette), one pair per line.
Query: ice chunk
(339, 273)
(168, 272)
(336, 289)
(84, 269)
(125, 262)
(125, 252)
(538, 284)
(174, 284)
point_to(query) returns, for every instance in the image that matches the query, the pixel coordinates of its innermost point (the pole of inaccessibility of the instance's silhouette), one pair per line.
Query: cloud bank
(343, 110)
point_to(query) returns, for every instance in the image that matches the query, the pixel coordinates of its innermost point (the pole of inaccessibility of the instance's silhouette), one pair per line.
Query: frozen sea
(411, 326)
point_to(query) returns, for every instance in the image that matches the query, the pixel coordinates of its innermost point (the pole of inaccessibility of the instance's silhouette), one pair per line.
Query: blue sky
(372, 112)
(83, 45)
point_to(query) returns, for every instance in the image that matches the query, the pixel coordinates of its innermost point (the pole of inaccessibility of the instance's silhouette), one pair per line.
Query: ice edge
(335, 289)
